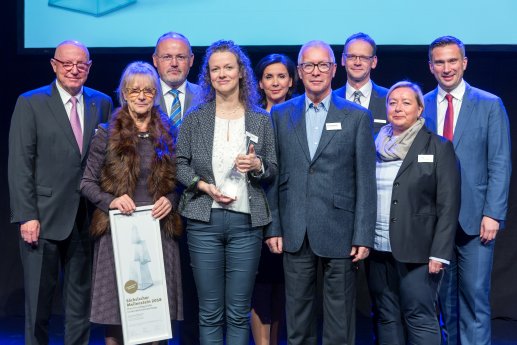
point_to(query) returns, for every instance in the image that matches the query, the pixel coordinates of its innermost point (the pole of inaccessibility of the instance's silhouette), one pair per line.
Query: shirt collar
(366, 89)
(166, 88)
(325, 102)
(65, 96)
(457, 93)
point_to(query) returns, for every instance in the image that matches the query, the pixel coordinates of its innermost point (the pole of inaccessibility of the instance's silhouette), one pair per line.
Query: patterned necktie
(448, 125)
(357, 97)
(76, 124)
(175, 115)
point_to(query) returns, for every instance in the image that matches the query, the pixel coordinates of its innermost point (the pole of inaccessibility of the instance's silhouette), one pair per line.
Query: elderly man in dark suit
(324, 201)
(359, 58)
(477, 124)
(50, 134)
(173, 59)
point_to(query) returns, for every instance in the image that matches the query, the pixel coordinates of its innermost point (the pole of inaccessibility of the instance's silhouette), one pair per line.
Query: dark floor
(504, 332)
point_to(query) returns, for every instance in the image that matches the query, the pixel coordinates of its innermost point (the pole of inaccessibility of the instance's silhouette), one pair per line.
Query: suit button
(393, 220)
(395, 202)
(396, 184)
(311, 171)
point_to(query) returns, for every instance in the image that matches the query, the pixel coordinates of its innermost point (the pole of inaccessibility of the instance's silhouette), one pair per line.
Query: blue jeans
(224, 255)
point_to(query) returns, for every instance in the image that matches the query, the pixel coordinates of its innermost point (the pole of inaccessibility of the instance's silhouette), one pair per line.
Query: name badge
(425, 158)
(333, 126)
(379, 121)
(252, 137)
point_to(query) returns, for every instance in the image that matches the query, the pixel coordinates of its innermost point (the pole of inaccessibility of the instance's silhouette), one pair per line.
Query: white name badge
(425, 158)
(252, 137)
(333, 126)
(379, 121)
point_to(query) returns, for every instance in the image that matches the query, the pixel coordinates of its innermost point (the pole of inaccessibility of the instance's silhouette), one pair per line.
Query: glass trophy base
(93, 7)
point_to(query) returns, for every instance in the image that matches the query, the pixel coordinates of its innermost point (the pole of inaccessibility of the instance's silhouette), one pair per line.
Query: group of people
(415, 186)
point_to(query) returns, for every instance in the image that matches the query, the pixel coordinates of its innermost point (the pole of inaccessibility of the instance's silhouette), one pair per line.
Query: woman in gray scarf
(418, 196)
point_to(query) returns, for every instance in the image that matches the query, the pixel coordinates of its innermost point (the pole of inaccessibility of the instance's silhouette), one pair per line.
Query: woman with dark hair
(277, 80)
(225, 154)
(130, 164)
(418, 198)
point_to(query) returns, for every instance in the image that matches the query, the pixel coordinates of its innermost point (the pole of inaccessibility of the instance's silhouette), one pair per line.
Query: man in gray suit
(323, 202)
(173, 59)
(50, 134)
(359, 58)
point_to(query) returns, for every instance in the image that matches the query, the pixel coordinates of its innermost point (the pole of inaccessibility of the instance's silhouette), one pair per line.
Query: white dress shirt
(366, 90)
(441, 105)
(169, 97)
(65, 98)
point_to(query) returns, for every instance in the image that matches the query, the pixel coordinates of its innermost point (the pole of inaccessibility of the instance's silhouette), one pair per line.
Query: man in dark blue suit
(323, 202)
(359, 58)
(49, 139)
(477, 124)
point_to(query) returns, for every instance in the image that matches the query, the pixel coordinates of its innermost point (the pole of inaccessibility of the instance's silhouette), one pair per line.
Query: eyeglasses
(169, 58)
(323, 67)
(68, 65)
(134, 93)
(362, 58)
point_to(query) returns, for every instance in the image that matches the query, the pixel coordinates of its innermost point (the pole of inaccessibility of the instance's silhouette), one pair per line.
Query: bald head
(66, 44)
(71, 63)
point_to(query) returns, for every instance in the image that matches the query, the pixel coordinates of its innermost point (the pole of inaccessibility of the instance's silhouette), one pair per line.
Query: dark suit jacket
(425, 201)
(482, 144)
(45, 164)
(332, 197)
(194, 158)
(377, 105)
(192, 93)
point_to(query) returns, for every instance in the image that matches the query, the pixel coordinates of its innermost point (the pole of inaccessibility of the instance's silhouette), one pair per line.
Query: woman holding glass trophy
(225, 156)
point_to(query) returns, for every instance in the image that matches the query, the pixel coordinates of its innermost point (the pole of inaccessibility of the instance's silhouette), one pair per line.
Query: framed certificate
(142, 289)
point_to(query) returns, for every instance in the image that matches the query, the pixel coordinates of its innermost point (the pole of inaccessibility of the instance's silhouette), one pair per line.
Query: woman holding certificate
(130, 164)
(225, 155)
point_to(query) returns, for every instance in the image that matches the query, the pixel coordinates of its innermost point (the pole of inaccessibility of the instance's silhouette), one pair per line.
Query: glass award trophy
(94, 7)
(232, 181)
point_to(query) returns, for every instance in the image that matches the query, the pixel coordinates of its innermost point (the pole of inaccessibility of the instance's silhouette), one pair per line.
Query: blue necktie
(175, 115)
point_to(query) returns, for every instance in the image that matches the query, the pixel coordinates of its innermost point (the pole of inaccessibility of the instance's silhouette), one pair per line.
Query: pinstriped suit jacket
(194, 158)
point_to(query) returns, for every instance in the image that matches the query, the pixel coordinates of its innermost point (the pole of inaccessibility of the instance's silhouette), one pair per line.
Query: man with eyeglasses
(323, 202)
(173, 59)
(359, 58)
(477, 124)
(50, 133)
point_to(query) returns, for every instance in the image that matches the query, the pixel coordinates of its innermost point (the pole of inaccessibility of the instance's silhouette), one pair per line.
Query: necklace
(143, 135)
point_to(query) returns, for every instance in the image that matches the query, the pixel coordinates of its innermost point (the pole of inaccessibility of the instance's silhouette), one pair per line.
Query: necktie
(76, 124)
(357, 97)
(448, 125)
(175, 115)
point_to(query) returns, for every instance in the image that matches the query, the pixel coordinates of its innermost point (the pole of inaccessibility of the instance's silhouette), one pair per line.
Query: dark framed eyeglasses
(323, 66)
(353, 58)
(68, 65)
(133, 93)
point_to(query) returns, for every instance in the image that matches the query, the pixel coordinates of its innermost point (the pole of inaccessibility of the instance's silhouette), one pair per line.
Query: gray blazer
(332, 197)
(45, 164)
(194, 160)
(192, 98)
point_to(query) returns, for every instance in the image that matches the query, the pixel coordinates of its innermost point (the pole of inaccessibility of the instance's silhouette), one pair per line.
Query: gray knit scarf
(391, 148)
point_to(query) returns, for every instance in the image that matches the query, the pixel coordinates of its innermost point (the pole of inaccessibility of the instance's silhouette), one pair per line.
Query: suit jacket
(192, 93)
(425, 201)
(194, 159)
(45, 164)
(332, 197)
(377, 105)
(482, 144)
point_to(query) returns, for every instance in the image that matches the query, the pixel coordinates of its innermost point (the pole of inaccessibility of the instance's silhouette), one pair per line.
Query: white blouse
(229, 141)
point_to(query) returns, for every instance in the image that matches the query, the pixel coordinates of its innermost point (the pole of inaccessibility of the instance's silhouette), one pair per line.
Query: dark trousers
(339, 277)
(404, 297)
(224, 255)
(41, 274)
(465, 292)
